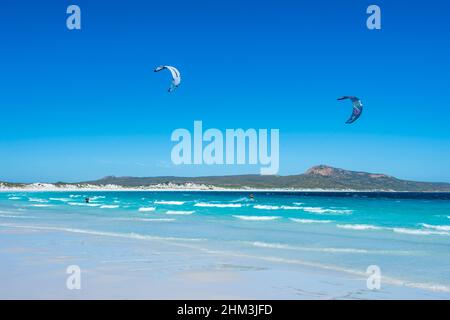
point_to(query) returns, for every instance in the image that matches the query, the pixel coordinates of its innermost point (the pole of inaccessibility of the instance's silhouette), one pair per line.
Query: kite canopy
(176, 77)
(357, 108)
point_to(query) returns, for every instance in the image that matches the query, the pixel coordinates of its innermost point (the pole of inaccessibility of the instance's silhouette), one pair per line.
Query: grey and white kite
(176, 77)
(357, 108)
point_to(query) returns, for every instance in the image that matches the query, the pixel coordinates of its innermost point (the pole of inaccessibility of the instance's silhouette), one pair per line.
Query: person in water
(86, 200)
(251, 196)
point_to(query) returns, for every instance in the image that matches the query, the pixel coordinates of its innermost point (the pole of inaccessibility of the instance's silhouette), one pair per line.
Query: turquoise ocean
(406, 234)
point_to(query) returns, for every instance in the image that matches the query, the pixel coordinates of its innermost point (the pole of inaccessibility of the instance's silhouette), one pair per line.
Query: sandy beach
(34, 264)
(223, 245)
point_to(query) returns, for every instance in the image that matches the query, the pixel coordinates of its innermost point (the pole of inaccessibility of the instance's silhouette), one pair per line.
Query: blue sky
(78, 105)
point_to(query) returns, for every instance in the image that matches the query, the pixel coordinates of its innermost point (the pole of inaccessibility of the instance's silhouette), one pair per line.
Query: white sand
(34, 266)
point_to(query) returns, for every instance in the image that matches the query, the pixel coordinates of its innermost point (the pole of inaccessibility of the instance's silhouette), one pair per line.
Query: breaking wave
(82, 204)
(173, 203)
(291, 208)
(309, 221)
(409, 231)
(256, 218)
(37, 200)
(174, 212)
(266, 207)
(438, 227)
(420, 232)
(146, 209)
(60, 199)
(145, 219)
(358, 227)
(131, 235)
(319, 210)
(218, 205)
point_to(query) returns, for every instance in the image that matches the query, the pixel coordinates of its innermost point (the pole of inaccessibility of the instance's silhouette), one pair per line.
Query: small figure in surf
(86, 200)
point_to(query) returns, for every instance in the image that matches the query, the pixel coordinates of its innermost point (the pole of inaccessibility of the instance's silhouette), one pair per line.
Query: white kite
(176, 77)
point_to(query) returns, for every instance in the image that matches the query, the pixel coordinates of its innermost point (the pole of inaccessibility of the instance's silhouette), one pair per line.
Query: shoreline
(236, 276)
(41, 187)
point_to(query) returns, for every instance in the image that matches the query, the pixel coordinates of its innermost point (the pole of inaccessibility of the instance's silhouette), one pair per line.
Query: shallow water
(407, 235)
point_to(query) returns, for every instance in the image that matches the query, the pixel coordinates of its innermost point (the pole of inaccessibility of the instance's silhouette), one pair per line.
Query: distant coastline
(317, 179)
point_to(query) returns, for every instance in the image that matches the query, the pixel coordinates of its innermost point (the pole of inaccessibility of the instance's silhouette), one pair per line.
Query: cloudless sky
(79, 105)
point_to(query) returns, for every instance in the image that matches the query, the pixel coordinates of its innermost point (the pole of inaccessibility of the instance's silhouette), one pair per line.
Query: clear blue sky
(79, 105)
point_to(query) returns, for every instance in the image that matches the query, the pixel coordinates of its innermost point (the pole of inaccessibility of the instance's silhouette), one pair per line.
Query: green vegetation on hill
(319, 177)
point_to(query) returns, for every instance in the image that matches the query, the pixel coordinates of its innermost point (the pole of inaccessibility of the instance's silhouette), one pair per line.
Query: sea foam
(420, 232)
(291, 208)
(218, 205)
(83, 204)
(438, 227)
(102, 233)
(173, 203)
(174, 212)
(319, 210)
(256, 218)
(60, 199)
(289, 247)
(266, 207)
(148, 209)
(358, 227)
(37, 200)
(309, 221)
(145, 219)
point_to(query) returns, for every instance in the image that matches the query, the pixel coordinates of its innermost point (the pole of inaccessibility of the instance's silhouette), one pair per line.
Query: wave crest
(256, 218)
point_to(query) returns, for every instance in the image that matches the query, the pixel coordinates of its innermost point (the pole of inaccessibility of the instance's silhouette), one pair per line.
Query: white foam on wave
(60, 199)
(266, 207)
(409, 231)
(75, 195)
(109, 206)
(83, 204)
(146, 209)
(434, 227)
(419, 232)
(309, 221)
(319, 210)
(243, 199)
(14, 198)
(280, 246)
(131, 235)
(175, 212)
(37, 200)
(358, 227)
(14, 217)
(145, 219)
(256, 218)
(291, 208)
(289, 247)
(172, 203)
(218, 205)
(97, 197)
(298, 203)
